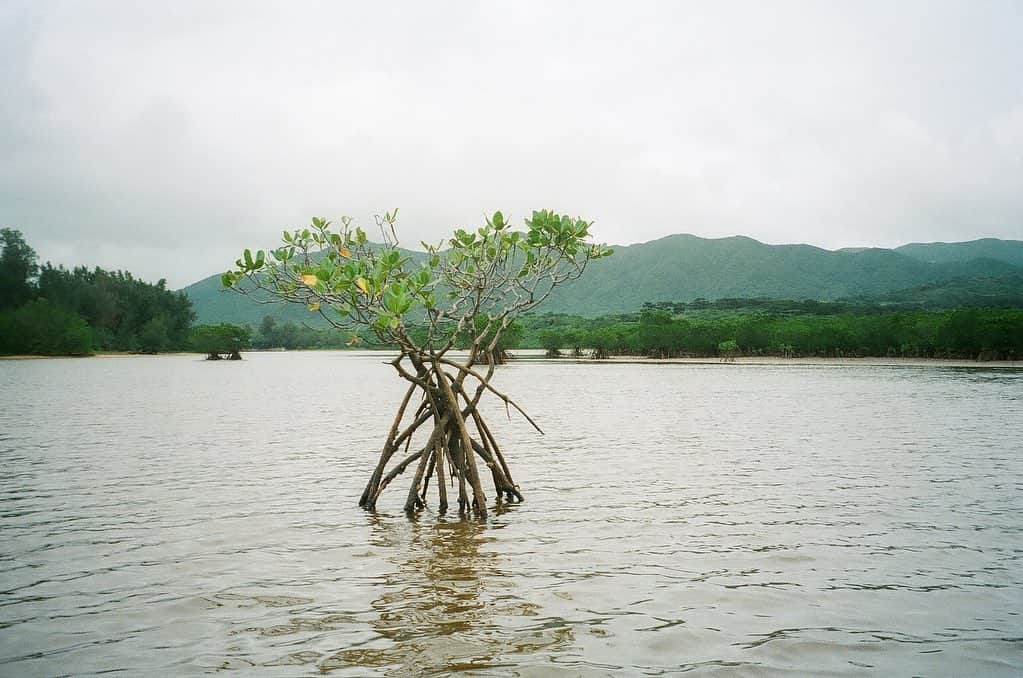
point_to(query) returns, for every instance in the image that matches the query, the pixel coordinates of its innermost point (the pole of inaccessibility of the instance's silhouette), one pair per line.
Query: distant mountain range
(686, 267)
(1007, 251)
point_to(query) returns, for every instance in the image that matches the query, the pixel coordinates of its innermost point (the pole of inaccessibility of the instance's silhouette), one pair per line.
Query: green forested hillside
(1006, 251)
(214, 304)
(686, 267)
(1003, 291)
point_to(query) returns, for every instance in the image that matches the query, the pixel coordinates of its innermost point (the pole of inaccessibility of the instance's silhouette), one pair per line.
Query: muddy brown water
(168, 516)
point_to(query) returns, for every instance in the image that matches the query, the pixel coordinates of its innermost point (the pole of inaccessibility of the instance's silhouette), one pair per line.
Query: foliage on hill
(77, 311)
(683, 268)
(1004, 291)
(1000, 292)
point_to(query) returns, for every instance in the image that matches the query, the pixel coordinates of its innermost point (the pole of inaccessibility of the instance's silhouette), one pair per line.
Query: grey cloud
(164, 138)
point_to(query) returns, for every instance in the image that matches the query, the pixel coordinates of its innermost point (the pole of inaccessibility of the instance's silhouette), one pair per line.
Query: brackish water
(169, 516)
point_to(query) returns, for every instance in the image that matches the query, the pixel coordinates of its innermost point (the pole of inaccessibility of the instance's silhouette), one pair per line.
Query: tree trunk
(459, 435)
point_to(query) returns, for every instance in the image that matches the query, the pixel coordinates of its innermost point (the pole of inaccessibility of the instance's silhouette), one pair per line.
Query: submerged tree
(727, 350)
(476, 284)
(552, 341)
(221, 342)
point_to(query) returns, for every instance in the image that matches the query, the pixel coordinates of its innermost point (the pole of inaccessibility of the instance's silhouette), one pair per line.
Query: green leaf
(326, 270)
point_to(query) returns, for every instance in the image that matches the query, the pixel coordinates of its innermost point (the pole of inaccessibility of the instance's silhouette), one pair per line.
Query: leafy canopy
(18, 267)
(493, 273)
(222, 338)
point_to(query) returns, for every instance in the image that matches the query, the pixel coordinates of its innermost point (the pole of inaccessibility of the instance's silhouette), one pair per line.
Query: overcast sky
(162, 138)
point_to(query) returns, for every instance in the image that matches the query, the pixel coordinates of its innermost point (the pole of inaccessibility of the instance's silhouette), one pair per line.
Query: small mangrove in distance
(222, 342)
(474, 287)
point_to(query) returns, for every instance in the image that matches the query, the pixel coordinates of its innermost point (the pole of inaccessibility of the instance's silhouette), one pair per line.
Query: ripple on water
(164, 515)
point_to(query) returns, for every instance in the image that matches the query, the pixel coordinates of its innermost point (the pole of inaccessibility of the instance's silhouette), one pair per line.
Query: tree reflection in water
(447, 607)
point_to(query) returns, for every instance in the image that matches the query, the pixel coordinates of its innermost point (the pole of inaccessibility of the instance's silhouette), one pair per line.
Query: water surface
(164, 515)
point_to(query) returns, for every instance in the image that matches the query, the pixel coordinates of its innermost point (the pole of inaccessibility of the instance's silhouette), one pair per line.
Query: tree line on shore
(48, 310)
(52, 310)
(975, 333)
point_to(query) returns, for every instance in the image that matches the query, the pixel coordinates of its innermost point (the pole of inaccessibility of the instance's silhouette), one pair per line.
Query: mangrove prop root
(448, 409)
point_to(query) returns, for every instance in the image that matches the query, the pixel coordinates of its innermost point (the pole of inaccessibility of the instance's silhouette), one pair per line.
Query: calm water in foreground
(168, 516)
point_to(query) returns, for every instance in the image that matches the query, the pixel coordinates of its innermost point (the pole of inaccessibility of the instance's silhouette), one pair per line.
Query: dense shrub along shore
(975, 333)
(985, 334)
(51, 310)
